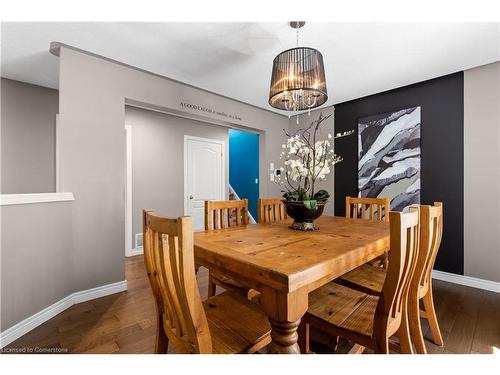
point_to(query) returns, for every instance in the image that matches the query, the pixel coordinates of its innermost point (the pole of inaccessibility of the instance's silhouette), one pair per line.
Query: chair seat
(366, 278)
(236, 324)
(343, 307)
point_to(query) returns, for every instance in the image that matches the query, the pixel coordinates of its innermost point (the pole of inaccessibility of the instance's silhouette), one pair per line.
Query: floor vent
(138, 241)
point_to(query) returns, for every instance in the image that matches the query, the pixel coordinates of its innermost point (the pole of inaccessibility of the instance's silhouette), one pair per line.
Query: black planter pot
(303, 217)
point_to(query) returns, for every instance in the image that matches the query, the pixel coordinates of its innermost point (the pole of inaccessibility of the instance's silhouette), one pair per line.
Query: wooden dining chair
(227, 323)
(370, 280)
(431, 219)
(225, 214)
(371, 209)
(221, 215)
(367, 208)
(368, 320)
(271, 210)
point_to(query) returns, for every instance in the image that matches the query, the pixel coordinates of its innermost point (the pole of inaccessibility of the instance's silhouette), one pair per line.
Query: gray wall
(92, 95)
(28, 138)
(326, 127)
(36, 259)
(92, 105)
(158, 162)
(482, 172)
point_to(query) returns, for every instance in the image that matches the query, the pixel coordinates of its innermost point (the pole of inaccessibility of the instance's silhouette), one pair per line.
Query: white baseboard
(134, 252)
(473, 282)
(13, 333)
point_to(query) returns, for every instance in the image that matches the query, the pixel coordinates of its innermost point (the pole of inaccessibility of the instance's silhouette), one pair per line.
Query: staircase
(232, 216)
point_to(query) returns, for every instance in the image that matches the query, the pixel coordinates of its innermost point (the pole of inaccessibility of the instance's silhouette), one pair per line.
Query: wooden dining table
(285, 265)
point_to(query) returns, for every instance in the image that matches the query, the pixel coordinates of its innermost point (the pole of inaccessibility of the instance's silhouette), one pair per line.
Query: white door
(203, 176)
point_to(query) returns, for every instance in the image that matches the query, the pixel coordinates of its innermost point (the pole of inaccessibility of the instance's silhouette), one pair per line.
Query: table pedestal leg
(284, 311)
(284, 336)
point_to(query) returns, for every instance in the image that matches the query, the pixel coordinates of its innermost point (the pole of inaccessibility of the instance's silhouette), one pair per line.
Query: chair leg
(303, 332)
(253, 296)
(211, 286)
(403, 334)
(357, 349)
(161, 341)
(385, 262)
(381, 346)
(417, 336)
(334, 342)
(431, 317)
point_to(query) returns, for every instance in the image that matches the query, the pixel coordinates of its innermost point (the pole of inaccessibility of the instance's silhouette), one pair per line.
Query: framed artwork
(389, 157)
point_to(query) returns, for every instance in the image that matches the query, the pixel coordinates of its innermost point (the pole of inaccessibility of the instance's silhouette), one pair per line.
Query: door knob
(191, 197)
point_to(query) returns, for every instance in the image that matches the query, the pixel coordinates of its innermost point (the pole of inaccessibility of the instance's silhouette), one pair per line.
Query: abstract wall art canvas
(389, 157)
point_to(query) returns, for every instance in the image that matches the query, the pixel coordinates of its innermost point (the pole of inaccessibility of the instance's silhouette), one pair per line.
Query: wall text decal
(212, 111)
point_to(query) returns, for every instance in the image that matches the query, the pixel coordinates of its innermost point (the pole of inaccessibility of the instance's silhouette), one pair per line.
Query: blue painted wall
(244, 166)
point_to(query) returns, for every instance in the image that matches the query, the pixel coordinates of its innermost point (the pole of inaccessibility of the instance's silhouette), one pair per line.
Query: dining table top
(286, 259)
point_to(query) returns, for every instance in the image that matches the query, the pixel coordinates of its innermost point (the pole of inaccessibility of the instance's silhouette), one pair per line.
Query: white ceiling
(235, 59)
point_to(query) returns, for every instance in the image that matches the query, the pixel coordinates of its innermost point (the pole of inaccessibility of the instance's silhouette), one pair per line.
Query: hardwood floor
(119, 323)
(124, 323)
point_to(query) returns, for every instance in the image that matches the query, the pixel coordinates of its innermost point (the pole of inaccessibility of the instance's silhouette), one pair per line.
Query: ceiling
(235, 59)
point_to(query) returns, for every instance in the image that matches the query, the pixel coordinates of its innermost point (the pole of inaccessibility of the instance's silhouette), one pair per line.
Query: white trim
(10, 199)
(137, 251)
(58, 172)
(223, 174)
(473, 282)
(128, 193)
(100, 291)
(13, 333)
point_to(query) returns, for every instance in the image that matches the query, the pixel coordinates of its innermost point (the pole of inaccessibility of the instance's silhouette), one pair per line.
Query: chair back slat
(223, 217)
(271, 210)
(167, 285)
(225, 214)
(367, 208)
(238, 216)
(169, 259)
(403, 254)
(431, 232)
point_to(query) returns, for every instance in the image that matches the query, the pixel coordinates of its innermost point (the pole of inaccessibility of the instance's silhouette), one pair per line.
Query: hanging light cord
(297, 98)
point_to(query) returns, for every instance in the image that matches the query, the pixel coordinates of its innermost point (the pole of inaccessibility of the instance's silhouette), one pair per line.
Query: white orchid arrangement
(307, 160)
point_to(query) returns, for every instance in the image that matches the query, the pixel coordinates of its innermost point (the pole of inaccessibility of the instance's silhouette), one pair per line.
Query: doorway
(244, 167)
(204, 176)
(203, 163)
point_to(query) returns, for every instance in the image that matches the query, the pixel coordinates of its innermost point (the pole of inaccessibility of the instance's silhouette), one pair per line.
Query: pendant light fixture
(298, 78)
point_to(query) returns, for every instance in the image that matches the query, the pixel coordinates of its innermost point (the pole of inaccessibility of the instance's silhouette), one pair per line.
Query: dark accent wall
(442, 147)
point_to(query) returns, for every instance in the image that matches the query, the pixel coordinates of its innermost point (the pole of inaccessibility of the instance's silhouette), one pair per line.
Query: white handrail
(250, 217)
